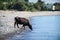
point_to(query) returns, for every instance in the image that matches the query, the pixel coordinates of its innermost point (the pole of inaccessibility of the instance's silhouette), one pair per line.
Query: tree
(22, 5)
(39, 5)
(57, 6)
(1, 5)
(39, 0)
(26, 0)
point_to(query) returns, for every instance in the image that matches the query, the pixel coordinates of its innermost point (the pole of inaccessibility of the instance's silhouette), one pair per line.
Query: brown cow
(24, 21)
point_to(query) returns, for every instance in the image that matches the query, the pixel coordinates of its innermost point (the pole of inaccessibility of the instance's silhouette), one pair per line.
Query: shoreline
(7, 19)
(33, 13)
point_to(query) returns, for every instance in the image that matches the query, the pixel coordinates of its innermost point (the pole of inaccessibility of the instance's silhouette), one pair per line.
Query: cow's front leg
(17, 25)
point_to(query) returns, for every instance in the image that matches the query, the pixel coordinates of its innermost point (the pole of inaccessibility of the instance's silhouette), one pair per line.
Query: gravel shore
(7, 19)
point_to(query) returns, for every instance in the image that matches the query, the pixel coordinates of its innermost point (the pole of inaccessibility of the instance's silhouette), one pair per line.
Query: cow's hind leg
(14, 24)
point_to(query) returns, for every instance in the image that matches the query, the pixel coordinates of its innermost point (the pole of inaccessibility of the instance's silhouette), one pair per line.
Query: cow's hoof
(18, 27)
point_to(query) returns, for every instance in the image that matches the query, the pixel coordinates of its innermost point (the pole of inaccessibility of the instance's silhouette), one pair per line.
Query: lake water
(44, 28)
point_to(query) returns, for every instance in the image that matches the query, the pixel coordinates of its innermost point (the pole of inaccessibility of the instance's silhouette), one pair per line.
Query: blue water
(44, 28)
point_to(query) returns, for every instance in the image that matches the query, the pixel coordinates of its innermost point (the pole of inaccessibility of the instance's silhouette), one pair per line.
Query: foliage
(21, 5)
(1, 5)
(57, 5)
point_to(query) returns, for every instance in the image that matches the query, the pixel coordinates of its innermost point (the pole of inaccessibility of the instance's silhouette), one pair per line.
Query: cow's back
(21, 20)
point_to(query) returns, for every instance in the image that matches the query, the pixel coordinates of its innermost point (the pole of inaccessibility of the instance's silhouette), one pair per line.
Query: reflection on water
(44, 28)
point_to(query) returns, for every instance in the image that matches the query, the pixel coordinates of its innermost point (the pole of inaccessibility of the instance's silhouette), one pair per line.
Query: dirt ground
(7, 19)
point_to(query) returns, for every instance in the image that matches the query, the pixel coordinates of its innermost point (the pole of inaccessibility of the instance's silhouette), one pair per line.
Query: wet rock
(1, 25)
(3, 16)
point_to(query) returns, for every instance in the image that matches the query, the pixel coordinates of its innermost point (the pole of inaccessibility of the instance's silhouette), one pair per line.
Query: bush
(21, 6)
(1, 6)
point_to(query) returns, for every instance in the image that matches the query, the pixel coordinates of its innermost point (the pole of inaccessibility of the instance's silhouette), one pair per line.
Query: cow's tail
(30, 26)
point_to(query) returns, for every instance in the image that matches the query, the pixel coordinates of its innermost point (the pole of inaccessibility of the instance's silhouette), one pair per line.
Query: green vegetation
(57, 5)
(21, 5)
(24, 5)
(1, 5)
